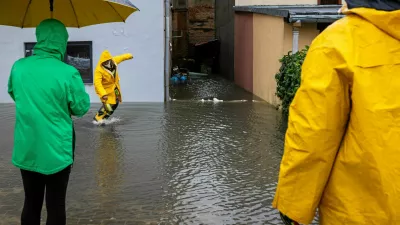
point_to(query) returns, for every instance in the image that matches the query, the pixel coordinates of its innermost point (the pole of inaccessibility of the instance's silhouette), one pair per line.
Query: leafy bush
(288, 78)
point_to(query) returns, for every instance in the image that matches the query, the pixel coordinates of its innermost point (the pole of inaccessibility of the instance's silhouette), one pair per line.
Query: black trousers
(55, 187)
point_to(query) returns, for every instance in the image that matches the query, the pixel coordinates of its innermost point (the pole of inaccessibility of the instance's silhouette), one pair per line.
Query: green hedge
(288, 78)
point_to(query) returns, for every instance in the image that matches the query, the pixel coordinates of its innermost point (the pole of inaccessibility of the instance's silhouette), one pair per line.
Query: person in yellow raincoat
(106, 83)
(342, 147)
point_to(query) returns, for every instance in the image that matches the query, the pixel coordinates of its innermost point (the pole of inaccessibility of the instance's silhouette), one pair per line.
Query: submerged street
(185, 162)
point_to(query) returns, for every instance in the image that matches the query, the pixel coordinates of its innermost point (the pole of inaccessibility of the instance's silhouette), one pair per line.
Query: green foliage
(288, 78)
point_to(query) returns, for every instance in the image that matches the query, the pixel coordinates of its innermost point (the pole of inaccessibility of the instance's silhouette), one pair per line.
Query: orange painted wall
(244, 51)
(260, 41)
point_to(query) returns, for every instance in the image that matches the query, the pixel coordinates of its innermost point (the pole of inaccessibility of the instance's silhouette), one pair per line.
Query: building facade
(287, 2)
(253, 39)
(263, 34)
(142, 79)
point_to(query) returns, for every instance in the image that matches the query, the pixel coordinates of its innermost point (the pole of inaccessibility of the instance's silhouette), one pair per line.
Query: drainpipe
(296, 34)
(167, 50)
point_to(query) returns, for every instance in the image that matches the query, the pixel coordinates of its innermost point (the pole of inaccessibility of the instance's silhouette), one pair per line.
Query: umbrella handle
(51, 8)
(51, 5)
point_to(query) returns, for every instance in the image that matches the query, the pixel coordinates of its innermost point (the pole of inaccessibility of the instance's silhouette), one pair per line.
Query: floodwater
(185, 162)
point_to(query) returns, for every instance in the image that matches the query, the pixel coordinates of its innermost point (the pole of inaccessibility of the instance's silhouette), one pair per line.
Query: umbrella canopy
(73, 13)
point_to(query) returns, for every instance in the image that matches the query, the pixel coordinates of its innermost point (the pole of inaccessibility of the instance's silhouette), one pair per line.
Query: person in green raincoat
(47, 92)
(342, 152)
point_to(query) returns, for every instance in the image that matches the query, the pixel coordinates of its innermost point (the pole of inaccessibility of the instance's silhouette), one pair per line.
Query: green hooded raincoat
(46, 92)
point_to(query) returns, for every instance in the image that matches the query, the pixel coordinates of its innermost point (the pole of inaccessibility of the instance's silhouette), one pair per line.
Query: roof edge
(293, 13)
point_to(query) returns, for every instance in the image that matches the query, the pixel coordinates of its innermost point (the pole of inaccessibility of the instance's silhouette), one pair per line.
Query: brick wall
(201, 21)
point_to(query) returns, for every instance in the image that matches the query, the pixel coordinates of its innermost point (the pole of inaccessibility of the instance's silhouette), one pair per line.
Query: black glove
(287, 221)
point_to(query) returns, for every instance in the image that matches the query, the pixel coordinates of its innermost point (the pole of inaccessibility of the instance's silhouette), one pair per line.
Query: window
(329, 2)
(179, 4)
(79, 55)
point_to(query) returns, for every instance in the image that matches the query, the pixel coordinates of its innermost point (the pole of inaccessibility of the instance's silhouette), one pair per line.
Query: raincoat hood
(106, 61)
(52, 37)
(105, 56)
(387, 21)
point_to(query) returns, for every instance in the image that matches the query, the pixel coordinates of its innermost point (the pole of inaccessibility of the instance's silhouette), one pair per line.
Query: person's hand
(104, 98)
(287, 221)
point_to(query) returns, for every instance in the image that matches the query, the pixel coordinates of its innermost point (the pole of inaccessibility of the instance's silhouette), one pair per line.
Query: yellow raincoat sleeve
(120, 58)
(317, 122)
(98, 85)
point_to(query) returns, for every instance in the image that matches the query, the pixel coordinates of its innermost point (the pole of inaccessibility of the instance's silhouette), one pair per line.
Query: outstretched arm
(120, 58)
(317, 121)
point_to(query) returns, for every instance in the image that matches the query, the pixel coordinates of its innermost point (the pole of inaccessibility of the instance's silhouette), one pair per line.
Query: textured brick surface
(201, 25)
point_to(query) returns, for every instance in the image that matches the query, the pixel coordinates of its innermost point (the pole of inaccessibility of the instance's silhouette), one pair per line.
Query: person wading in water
(106, 83)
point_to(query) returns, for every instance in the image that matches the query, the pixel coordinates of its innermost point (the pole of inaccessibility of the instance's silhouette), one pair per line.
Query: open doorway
(196, 46)
(193, 36)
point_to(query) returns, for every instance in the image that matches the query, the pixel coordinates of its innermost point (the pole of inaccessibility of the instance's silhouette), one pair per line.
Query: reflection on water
(109, 154)
(185, 162)
(221, 163)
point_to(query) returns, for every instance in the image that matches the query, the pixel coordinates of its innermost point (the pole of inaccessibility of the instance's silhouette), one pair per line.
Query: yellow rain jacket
(104, 81)
(342, 147)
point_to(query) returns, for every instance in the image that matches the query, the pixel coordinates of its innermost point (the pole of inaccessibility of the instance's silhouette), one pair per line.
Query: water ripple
(184, 162)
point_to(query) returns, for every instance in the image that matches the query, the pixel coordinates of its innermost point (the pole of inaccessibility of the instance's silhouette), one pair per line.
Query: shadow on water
(184, 162)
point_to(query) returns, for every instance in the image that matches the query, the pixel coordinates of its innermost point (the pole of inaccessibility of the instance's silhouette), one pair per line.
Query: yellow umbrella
(73, 13)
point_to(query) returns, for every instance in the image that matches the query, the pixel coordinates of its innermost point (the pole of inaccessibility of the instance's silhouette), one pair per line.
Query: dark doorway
(329, 2)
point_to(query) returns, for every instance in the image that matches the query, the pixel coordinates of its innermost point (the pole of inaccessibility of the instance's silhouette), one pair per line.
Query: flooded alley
(184, 162)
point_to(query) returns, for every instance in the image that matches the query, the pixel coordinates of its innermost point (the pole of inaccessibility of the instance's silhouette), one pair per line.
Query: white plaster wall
(142, 79)
(275, 2)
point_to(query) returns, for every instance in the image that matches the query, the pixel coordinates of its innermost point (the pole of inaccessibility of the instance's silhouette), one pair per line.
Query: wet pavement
(185, 162)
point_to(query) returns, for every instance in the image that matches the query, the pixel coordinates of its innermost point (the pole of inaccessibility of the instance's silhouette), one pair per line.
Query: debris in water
(107, 122)
(209, 99)
(217, 100)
